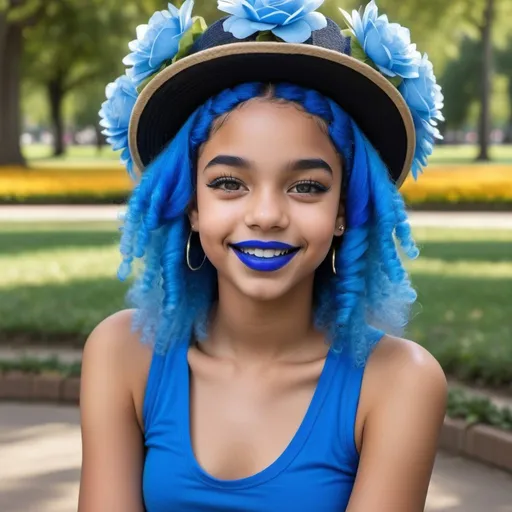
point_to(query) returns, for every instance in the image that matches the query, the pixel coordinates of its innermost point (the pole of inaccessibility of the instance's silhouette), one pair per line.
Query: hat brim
(375, 104)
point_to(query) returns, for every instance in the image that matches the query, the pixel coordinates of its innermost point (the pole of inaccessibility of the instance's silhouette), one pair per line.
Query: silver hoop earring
(334, 261)
(342, 229)
(187, 253)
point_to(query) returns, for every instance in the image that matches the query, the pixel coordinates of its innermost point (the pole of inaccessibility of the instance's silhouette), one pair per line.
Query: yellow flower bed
(450, 183)
(76, 181)
(461, 184)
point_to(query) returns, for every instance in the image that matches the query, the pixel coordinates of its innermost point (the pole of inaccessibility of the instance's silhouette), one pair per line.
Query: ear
(340, 225)
(193, 216)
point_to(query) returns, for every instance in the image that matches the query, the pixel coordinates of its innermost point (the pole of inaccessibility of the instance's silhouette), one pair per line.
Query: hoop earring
(187, 254)
(342, 229)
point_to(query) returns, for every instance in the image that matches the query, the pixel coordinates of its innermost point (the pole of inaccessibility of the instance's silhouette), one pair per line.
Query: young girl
(262, 368)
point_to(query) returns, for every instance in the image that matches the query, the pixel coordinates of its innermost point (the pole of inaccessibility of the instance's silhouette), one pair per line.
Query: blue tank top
(316, 471)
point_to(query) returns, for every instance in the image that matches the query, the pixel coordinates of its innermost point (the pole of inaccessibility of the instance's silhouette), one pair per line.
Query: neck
(261, 330)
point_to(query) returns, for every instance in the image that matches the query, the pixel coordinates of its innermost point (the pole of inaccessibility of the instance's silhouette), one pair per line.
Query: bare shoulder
(403, 403)
(401, 361)
(114, 346)
(114, 370)
(400, 370)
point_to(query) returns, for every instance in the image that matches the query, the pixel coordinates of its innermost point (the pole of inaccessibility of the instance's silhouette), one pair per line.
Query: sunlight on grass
(59, 266)
(60, 278)
(467, 153)
(468, 269)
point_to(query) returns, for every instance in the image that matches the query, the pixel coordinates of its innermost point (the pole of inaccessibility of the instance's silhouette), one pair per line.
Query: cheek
(317, 222)
(216, 220)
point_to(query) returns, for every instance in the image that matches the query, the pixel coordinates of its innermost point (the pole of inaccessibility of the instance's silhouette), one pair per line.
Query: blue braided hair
(371, 288)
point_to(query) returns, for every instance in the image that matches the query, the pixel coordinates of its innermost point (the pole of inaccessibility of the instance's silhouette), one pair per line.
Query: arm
(112, 441)
(400, 434)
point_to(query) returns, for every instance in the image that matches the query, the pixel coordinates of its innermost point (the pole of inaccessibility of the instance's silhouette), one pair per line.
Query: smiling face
(268, 198)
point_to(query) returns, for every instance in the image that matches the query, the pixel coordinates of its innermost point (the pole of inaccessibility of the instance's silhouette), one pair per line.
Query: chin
(269, 287)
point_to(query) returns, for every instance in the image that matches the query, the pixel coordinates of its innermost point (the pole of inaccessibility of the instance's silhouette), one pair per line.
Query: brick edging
(24, 387)
(484, 443)
(481, 442)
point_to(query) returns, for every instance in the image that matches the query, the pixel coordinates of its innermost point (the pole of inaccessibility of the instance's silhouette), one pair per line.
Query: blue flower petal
(313, 5)
(276, 18)
(165, 44)
(297, 32)
(299, 15)
(242, 28)
(158, 41)
(236, 9)
(316, 20)
(115, 114)
(388, 45)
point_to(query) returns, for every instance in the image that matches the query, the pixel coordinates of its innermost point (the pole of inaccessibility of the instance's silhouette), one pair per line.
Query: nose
(267, 210)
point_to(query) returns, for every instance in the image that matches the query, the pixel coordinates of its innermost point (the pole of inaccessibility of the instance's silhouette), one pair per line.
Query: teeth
(264, 253)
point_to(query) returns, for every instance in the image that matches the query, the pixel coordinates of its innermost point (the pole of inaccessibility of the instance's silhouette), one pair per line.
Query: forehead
(262, 128)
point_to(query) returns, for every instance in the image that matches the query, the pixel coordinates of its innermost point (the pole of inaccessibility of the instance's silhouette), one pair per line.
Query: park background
(57, 279)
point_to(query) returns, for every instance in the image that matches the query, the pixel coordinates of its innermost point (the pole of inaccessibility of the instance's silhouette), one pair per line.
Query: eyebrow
(304, 164)
(307, 164)
(230, 161)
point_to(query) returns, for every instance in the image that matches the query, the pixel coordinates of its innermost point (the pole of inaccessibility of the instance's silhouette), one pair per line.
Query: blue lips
(264, 264)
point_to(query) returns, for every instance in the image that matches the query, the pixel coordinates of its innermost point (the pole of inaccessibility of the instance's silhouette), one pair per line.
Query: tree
(72, 46)
(504, 65)
(484, 125)
(461, 82)
(15, 15)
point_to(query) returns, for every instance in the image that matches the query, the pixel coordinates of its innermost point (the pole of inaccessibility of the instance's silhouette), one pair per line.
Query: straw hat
(390, 110)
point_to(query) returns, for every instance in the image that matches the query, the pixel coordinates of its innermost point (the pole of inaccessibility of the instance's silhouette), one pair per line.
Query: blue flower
(291, 20)
(158, 41)
(387, 44)
(115, 116)
(425, 100)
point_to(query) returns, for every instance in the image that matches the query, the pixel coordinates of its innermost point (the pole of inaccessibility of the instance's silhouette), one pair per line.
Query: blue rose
(387, 44)
(115, 116)
(290, 20)
(425, 100)
(158, 41)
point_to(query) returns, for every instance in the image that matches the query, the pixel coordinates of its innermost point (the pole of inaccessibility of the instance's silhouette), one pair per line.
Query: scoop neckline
(291, 450)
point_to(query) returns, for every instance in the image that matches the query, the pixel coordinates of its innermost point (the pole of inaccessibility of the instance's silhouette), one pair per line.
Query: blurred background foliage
(57, 55)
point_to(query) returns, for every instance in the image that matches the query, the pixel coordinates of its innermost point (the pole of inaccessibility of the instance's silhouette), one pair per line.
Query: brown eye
(226, 183)
(304, 188)
(309, 187)
(231, 185)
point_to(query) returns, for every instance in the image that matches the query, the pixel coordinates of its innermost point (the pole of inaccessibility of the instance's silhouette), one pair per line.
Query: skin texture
(261, 362)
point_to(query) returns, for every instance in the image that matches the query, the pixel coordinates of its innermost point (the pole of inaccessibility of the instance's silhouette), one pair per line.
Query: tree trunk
(100, 138)
(11, 46)
(484, 128)
(508, 129)
(56, 97)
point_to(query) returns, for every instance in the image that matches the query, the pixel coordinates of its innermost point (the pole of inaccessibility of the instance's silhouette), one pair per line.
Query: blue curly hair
(371, 288)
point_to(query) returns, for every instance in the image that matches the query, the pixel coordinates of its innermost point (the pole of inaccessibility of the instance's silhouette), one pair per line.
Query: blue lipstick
(264, 263)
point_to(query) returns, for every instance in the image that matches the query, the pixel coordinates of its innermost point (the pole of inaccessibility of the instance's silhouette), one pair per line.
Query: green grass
(58, 281)
(467, 154)
(464, 283)
(81, 155)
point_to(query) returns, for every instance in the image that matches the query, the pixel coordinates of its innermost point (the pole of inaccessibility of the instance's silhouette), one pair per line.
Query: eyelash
(320, 189)
(223, 180)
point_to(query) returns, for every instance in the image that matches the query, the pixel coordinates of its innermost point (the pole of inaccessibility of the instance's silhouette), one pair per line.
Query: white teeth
(264, 253)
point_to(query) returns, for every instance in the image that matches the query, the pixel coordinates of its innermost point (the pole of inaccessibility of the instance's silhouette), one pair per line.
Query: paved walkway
(477, 220)
(42, 447)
